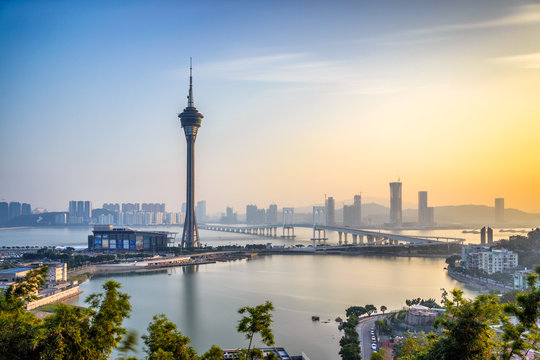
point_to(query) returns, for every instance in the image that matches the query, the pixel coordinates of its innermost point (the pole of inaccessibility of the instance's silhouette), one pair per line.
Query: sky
(300, 99)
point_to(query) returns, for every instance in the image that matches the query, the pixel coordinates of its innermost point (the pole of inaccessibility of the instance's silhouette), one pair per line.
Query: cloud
(527, 14)
(523, 61)
(284, 68)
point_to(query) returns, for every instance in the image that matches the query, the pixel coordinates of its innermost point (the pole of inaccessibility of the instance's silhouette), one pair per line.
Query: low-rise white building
(490, 261)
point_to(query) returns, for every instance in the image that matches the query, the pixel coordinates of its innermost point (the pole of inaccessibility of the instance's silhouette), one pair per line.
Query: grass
(81, 277)
(50, 308)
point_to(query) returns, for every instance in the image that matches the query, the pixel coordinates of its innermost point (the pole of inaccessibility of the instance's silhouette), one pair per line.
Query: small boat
(315, 318)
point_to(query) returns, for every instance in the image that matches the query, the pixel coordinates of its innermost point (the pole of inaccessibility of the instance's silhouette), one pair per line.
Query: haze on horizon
(300, 99)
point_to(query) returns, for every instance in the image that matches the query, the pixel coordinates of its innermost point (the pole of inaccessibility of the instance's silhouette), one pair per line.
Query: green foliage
(350, 345)
(383, 326)
(20, 329)
(356, 311)
(165, 342)
(525, 335)
(370, 308)
(466, 331)
(350, 351)
(383, 308)
(112, 307)
(214, 353)
(378, 355)
(527, 247)
(66, 335)
(257, 321)
(67, 256)
(451, 260)
(70, 333)
(431, 303)
(412, 346)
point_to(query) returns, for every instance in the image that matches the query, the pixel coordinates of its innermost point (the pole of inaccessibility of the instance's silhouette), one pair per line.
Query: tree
(355, 310)
(350, 352)
(215, 353)
(257, 322)
(165, 342)
(370, 308)
(525, 335)
(19, 329)
(383, 308)
(110, 310)
(378, 355)
(466, 331)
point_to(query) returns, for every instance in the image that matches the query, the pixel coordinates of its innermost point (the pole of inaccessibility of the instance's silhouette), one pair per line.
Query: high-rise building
(423, 212)
(14, 209)
(4, 212)
(271, 214)
(87, 211)
(201, 210)
(261, 216)
(114, 207)
(129, 207)
(395, 203)
(72, 212)
(357, 210)
(483, 236)
(490, 235)
(499, 210)
(153, 207)
(251, 214)
(230, 217)
(330, 210)
(348, 215)
(191, 120)
(26, 209)
(80, 212)
(80, 209)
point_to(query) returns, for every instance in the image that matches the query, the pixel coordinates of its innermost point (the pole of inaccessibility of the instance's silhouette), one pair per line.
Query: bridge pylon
(288, 223)
(319, 219)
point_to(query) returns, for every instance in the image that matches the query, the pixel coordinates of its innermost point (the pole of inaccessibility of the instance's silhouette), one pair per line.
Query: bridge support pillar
(354, 239)
(346, 238)
(370, 239)
(339, 234)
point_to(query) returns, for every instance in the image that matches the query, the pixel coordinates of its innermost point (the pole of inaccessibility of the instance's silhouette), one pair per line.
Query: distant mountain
(373, 213)
(481, 214)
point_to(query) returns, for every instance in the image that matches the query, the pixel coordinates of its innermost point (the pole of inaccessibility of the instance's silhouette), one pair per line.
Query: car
(373, 346)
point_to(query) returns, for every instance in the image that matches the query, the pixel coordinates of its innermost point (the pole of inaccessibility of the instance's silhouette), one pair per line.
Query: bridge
(319, 232)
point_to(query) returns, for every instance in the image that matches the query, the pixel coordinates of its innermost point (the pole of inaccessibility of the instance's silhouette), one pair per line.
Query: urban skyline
(423, 86)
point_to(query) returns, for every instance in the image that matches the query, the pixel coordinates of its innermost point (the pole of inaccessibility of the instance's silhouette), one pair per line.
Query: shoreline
(477, 284)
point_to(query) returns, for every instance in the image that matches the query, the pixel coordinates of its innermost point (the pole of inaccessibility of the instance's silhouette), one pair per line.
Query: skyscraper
(87, 211)
(395, 203)
(26, 209)
(251, 214)
(201, 210)
(4, 212)
(357, 210)
(499, 210)
(14, 209)
(423, 212)
(330, 210)
(271, 214)
(191, 120)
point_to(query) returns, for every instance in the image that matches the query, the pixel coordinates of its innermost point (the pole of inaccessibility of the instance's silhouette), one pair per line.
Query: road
(364, 335)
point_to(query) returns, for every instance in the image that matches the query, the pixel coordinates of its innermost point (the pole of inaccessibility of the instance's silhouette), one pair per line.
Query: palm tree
(258, 321)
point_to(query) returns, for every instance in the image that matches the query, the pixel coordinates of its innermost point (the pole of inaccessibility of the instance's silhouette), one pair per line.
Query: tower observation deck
(191, 120)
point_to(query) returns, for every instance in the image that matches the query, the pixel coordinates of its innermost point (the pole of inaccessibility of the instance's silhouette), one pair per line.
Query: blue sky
(300, 98)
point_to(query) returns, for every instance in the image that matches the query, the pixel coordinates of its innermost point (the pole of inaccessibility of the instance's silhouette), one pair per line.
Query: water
(203, 301)
(77, 237)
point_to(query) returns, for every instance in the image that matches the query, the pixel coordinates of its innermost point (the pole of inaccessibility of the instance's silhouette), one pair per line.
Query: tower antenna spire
(190, 96)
